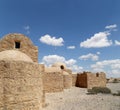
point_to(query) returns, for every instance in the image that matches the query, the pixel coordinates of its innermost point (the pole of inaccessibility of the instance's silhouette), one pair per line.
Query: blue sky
(84, 34)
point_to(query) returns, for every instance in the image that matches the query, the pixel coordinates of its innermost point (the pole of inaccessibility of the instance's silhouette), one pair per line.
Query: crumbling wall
(90, 80)
(52, 82)
(81, 80)
(96, 80)
(26, 46)
(20, 86)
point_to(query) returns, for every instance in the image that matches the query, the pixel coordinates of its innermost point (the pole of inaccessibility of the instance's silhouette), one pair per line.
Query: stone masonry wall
(67, 81)
(52, 82)
(81, 80)
(26, 45)
(96, 80)
(74, 79)
(20, 86)
(90, 80)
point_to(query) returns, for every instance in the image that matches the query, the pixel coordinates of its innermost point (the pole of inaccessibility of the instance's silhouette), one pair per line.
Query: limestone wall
(52, 82)
(20, 86)
(89, 80)
(26, 46)
(81, 80)
(67, 81)
(74, 79)
(96, 80)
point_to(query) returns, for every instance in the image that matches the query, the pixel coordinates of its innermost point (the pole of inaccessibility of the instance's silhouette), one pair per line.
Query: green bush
(96, 90)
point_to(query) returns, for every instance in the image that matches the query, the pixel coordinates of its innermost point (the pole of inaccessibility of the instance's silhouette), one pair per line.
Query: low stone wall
(20, 86)
(52, 82)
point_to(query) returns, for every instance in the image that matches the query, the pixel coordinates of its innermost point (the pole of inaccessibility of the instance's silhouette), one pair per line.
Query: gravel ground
(77, 99)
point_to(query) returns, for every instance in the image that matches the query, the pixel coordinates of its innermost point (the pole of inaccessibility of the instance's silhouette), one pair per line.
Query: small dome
(14, 55)
(59, 64)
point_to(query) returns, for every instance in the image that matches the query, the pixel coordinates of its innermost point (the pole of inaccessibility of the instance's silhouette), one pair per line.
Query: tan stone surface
(21, 86)
(26, 45)
(14, 55)
(59, 64)
(67, 81)
(74, 79)
(89, 80)
(53, 69)
(52, 82)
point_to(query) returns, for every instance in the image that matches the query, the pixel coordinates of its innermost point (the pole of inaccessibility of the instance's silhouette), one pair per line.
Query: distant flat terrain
(77, 99)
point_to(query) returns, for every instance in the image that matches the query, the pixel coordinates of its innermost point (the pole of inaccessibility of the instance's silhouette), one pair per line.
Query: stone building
(21, 85)
(21, 43)
(56, 78)
(23, 81)
(89, 80)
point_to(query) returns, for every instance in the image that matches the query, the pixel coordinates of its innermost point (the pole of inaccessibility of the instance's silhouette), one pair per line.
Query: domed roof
(59, 64)
(65, 73)
(14, 55)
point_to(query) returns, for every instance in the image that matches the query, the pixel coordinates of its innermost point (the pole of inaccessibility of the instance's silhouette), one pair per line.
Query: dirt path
(77, 99)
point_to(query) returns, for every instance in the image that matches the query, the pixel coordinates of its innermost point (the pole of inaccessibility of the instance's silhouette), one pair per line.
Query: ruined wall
(26, 45)
(89, 80)
(52, 82)
(74, 79)
(20, 86)
(81, 80)
(96, 80)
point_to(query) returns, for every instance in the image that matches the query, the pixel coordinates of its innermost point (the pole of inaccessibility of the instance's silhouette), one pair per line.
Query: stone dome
(65, 73)
(14, 55)
(59, 64)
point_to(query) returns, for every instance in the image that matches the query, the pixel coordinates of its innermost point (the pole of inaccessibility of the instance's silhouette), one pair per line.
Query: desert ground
(77, 99)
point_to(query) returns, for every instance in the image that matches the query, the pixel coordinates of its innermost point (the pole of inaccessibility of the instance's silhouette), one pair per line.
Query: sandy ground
(77, 99)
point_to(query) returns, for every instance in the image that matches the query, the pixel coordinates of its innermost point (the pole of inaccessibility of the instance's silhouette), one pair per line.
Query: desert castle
(24, 82)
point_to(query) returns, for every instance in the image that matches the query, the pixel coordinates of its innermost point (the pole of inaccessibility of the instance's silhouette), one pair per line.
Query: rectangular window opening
(97, 74)
(17, 45)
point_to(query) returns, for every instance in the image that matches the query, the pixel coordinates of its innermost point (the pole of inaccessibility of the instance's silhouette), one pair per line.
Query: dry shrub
(117, 94)
(96, 90)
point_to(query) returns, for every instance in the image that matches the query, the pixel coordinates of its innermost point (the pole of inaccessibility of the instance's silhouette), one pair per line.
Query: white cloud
(50, 59)
(71, 63)
(98, 53)
(111, 26)
(47, 39)
(76, 68)
(117, 42)
(27, 29)
(91, 56)
(113, 65)
(98, 40)
(71, 47)
(116, 72)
